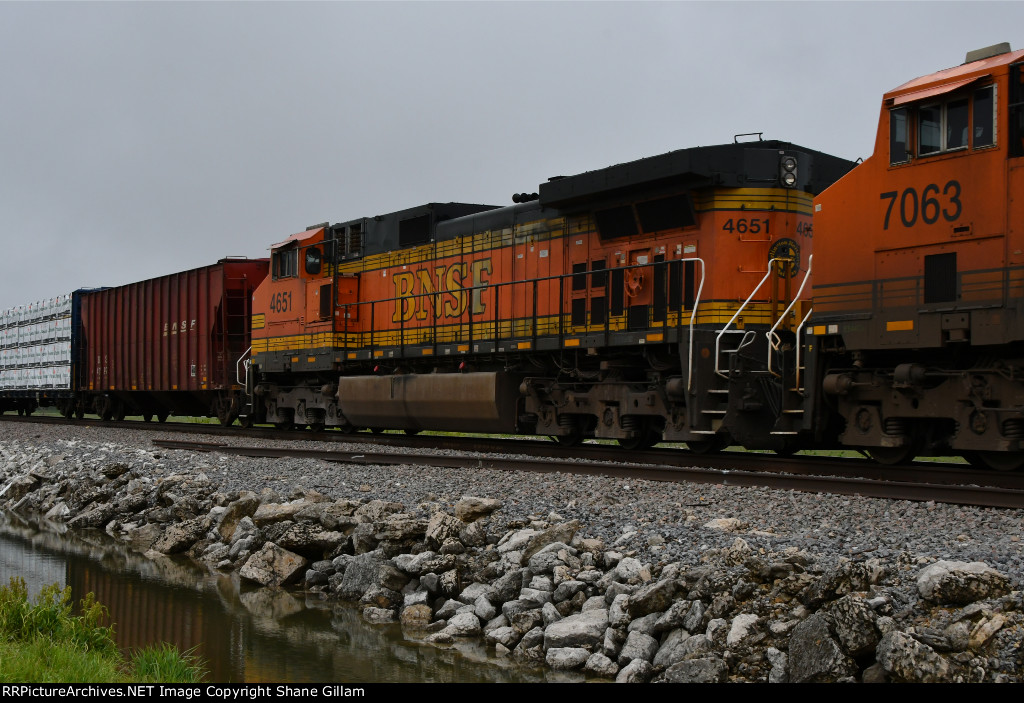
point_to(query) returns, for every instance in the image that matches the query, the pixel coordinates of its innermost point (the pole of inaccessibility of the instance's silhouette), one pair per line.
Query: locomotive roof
(950, 79)
(746, 164)
(299, 237)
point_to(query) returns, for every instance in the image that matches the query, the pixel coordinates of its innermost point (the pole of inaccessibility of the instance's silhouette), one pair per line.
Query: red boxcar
(169, 344)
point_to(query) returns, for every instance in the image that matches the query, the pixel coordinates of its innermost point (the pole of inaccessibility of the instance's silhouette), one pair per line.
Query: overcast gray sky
(139, 139)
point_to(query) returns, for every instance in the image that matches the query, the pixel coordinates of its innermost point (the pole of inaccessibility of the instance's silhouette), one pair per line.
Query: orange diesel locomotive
(658, 299)
(919, 274)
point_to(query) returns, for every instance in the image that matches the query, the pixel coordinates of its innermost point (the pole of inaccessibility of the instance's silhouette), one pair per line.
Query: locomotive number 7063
(927, 205)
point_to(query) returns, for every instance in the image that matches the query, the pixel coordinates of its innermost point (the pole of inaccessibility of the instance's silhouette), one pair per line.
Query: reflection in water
(245, 634)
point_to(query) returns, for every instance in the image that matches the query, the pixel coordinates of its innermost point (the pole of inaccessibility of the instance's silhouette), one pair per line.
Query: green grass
(44, 642)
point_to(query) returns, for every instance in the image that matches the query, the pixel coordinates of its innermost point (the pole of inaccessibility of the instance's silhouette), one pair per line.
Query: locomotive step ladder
(788, 414)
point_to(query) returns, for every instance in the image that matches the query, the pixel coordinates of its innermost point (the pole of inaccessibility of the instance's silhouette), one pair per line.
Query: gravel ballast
(670, 529)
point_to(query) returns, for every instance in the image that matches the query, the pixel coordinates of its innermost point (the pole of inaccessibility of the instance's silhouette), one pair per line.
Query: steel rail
(868, 488)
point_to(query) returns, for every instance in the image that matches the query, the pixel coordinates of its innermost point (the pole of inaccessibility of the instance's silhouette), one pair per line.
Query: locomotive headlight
(787, 171)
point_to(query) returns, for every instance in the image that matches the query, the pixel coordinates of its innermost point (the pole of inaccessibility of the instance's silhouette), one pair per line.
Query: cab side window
(964, 122)
(313, 261)
(985, 116)
(1016, 107)
(286, 263)
(899, 135)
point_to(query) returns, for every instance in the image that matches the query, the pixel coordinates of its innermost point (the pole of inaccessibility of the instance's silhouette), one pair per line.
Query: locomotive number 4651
(927, 206)
(281, 302)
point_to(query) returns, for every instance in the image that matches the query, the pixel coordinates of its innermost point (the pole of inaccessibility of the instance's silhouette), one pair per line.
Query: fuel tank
(458, 402)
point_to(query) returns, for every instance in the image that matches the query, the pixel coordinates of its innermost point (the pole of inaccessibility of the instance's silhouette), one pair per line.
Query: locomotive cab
(298, 310)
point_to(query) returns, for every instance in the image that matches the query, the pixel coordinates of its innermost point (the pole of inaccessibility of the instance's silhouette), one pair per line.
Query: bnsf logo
(441, 291)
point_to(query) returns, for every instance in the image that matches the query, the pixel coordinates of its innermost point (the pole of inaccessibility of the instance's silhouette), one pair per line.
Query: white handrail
(799, 347)
(693, 319)
(238, 377)
(718, 338)
(773, 339)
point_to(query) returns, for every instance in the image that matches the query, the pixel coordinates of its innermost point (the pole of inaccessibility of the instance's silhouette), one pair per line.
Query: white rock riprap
(597, 577)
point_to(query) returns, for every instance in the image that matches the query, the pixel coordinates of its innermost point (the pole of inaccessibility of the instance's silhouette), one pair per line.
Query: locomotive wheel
(645, 440)
(788, 449)
(570, 440)
(285, 425)
(893, 456)
(317, 426)
(998, 461)
(376, 430)
(708, 446)
(412, 432)
(246, 421)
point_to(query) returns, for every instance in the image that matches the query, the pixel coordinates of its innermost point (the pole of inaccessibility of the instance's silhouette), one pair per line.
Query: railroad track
(921, 481)
(841, 485)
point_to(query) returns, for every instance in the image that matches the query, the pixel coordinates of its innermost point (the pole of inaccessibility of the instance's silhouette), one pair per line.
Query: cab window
(962, 122)
(942, 127)
(313, 260)
(985, 116)
(899, 134)
(286, 263)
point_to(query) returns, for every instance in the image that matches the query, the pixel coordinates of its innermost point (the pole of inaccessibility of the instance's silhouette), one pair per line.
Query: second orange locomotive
(630, 303)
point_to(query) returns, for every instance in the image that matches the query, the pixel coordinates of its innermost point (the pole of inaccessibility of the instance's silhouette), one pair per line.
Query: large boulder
(179, 536)
(655, 597)
(583, 630)
(814, 654)
(245, 506)
(441, 528)
(908, 660)
(277, 512)
(360, 574)
(960, 583)
(703, 670)
(471, 508)
(853, 621)
(273, 566)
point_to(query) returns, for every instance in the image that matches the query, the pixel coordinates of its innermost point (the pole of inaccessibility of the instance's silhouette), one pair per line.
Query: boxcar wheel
(147, 417)
(285, 425)
(162, 416)
(226, 411)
